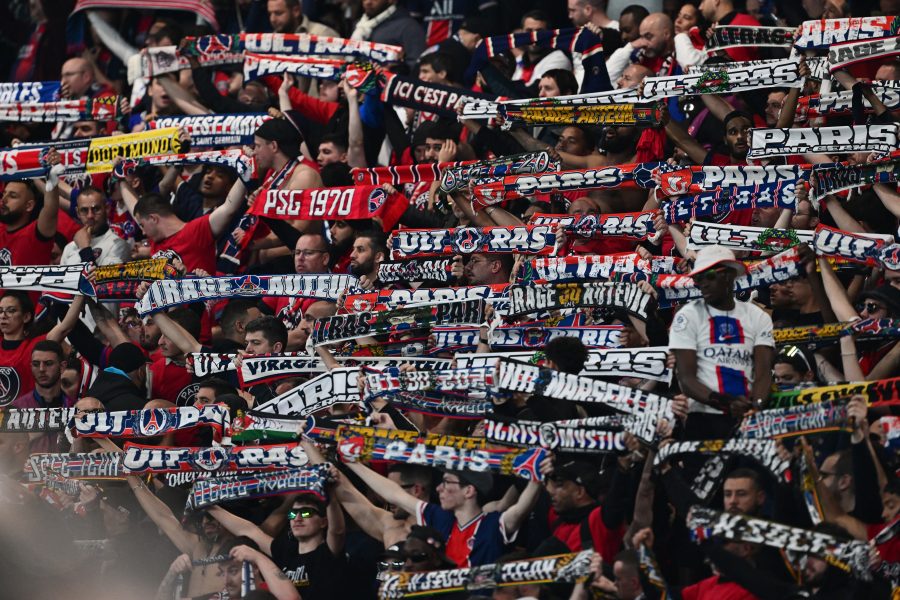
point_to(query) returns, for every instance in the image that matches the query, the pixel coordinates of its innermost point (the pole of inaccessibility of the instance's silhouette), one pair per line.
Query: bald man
(655, 44)
(77, 81)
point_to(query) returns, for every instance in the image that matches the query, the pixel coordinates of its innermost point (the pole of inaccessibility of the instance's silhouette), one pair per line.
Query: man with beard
(369, 251)
(95, 242)
(343, 234)
(23, 240)
(141, 334)
(204, 192)
(46, 369)
(654, 48)
(286, 16)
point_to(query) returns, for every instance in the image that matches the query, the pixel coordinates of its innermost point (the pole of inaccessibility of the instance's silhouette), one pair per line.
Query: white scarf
(367, 25)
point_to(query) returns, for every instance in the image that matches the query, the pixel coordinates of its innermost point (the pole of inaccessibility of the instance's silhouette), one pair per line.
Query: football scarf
(68, 279)
(337, 386)
(745, 237)
(521, 377)
(806, 477)
(260, 65)
(138, 270)
(150, 62)
(856, 247)
(333, 204)
(675, 289)
(29, 91)
(449, 452)
(881, 390)
(438, 406)
(402, 174)
(139, 459)
(207, 492)
(166, 293)
(847, 56)
(635, 225)
(609, 115)
(439, 270)
(822, 33)
(356, 325)
(823, 335)
(458, 177)
(841, 139)
(888, 328)
(539, 298)
(253, 426)
(291, 43)
(837, 179)
(521, 239)
(215, 130)
(85, 465)
(490, 110)
(202, 8)
(841, 103)
(567, 568)
(150, 422)
(553, 436)
(775, 73)
(693, 180)
(593, 267)
(102, 151)
(34, 420)
(233, 159)
(266, 368)
(735, 36)
(105, 108)
(794, 420)
(487, 191)
(426, 97)
(513, 337)
(645, 363)
(681, 209)
(706, 523)
(391, 299)
(392, 379)
(762, 451)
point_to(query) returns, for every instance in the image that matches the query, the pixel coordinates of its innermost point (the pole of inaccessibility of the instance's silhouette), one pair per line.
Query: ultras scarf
(105, 108)
(522, 239)
(608, 115)
(554, 436)
(745, 237)
(764, 452)
(735, 36)
(403, 174)
(216, 130)
(841, 103)
(538, 298)
(832, 180)
(848, 56)
(794, 420)
(692, 180)
(870, 249)
(150, 422)
(489, 110)
(207, 492)
(290, 43)
(392, 379)
(439, 270)
(29, 420)
(390, 299)
(841, 139)
(592, 267)
(681, 209)
(334, 387)
(260, 65)
(823, 33)
(150, 62)
(882, 390)
(535, 335)
(458, 177)
(232, 159)
(333, 204)
(635, 225)
(139, 459)
(29, 91)
(776, 73)
(69, 279)
(426, 97)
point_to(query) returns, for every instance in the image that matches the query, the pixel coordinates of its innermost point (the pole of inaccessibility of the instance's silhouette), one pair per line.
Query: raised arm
(162, 516)
(515, 515)
(46, 221)
(280, 586)
(836, 293)
(238, 527)
(222, 216)
(62, 329)
(107, 324)
(683, 140)
(388, 490)
(356, 152)
(178, 334)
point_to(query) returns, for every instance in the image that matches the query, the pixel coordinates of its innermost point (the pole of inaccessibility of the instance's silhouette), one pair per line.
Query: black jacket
(117, 392)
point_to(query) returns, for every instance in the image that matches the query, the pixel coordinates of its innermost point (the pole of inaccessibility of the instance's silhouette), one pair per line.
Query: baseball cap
(281, 131)
(483, 482)
(581, 473)
(887, 294)
(127, 357)
(713, 256)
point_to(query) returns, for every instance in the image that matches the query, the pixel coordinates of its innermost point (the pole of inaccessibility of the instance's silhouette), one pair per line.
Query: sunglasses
(710, 275)
(303, 513)
(869, 307)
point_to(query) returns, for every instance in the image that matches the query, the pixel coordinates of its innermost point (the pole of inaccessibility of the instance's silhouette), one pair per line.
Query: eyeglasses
(710, 275)
(308, 253)
(9, 311)
(83, 210)
(447, 482)
(869, 307)
(303, 513)
(133, 324)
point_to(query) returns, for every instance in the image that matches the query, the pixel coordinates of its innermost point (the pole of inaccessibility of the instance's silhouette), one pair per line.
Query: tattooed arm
(278, 583)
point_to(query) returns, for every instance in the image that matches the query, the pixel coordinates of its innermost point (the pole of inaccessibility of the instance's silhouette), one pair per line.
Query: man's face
(77, 75)
(160, 99)
(617, 140)
(871, 308)
(233, 573)
(804, 217)
(708, 10)
(741, 496)
(432, 149)
(887, 73)
(362, 257)
(632, 76)
(216, 183)
(46, 368)
(773, 107)
(785, 374)
(736, 136)
(451, 492)
(316, 310)
(627, 585)
(204, 396)
(282, 18)
(168, 348)
(419, 556)
(92, 211)
(17, 202)
(85, 129)
(12, 319)
(329, 153)
(252, 93)
(397, 512)
(828, 474)
(548, 88)
(573, 141)
(311, 254)
(562, 494)
(687, 18)
(329, 91)
(628, 28)
(657, 38)
(835, 9)
(890, 504)
(480, 269)
(341, 233)
(429, 75)
(70, 381)
(813, 570)
(765, 216)
(375, 7)
(258, 344)
(264, 152)
(468, 39)
(578, 13)
(149, 224)
(308, 522)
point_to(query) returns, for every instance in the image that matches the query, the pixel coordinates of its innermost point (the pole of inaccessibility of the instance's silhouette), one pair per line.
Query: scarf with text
(33, 420)
(207, 492)
(823, 33)
(888, 328)
(765, 452)
(333, 204)
(150, 422)
(140, 459)
(839, 139)
(745, 237)
(368, 323)
(606, 266)
(608, 115)
(837, 179)
(290, 43)
(693, 180)
(392, 379)
(166, 293)
(105, 108)
(439, 270)
(398, 175)
(438, 405)
(450, 452)
(635, 225)
(815, 335)
(457, 178)
(870, 249)
(150, 62)
(848, 56)
(553, 436)
(490, 110)
(29, 91)
(215, 130)
(841, 103)
(775, 73)
(882, 390)
(84, 465)
(138, 270)
(706, 523)
(232, 159)
(260, 65)
(566, 568)
(391, 299)
(266, 368)
(735, 36)
(514, 337)
(441, 100)
(539, 298)
(68, 279)
(337, 386)
(253, 426)
(722, 202)
(794, 420)
(522, 239)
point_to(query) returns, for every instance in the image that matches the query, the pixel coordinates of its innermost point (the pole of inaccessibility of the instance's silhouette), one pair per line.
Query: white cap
(711, 256)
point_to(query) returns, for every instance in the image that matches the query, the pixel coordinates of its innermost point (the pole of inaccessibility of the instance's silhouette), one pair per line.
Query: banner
(68, 279)
(874, 391)
(837, 179)
(434, 98)
(764, 452)
(207, 492)
(720, 203)
(102, 151)
(337, 386)
(215, 130)
(291, 43)
(567, 568)
(438, 270)
(858, 247)
(105, 108)
(822, 33)
(334, 204)
(391, 299)
(260, 65)
(34, 420)
(745, 237)
(487, 192)
(392, 379)
(843, 139)
(794, 420)
(166, 293)
(735, 36)
(522, 239)
(526, 336)
(356, 325)
(605, 266)
(136, 270)
(150, 422)
(611, 115)
(457, 178)
(845, 56)
(775, 73)
(853, 556)
(140, 459)
(448, 452)
(29, 91)
(553, 436)
(645, 363)
(538, 298)
(841, 103)
(695, 180)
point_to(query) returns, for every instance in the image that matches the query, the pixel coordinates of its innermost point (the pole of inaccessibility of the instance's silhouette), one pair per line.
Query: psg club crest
(210, 459)
(153, 421)
(467, 239)
(585, 225)
(249, 285)
(9, 385)
(377, 199)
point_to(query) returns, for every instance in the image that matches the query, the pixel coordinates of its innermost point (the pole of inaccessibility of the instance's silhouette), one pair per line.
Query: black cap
(581, 473)
(477, 25)
(281, 131)
(127, 357)
(483, 482)
(887, 294)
